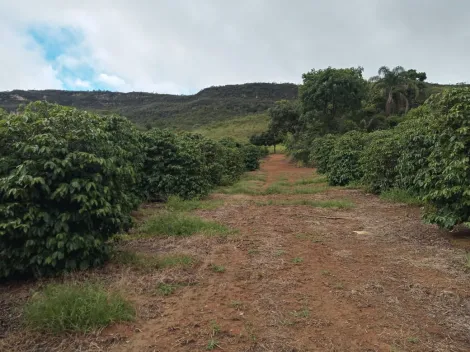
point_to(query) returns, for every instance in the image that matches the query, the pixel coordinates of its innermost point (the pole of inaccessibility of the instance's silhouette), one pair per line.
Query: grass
(75, 307)
(311, 181)
(304, 313)
(180, 224)
(297, 260)
(148, 262)
(251, 187)
(279, 252)
(240, 128)
(166, 289)
(401, 196)
(309, 190)
(339, 204)
(177, 204)
(217, 268)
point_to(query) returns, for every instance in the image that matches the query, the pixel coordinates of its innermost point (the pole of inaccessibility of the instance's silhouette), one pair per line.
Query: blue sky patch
(57, 42)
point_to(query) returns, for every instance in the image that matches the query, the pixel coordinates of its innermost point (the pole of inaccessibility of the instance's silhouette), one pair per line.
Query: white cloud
(111, 80)
(182, 45)
(81, 84)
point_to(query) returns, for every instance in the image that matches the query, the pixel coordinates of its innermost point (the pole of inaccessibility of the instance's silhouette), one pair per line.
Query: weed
(75, 307)
(413, 340)
(236, 305)
(339, 286)
(310, 181)
(166, 289)
(254, 176)
(401, 196)
(243, 187)
(215, 328)
(297, 260)
(310, 190)
(180, 224)
(250, 330)
(275, 188)
(212, 345)
(467, 260)
(217, 268)
(175, 203)
(279, 252)
(325, 273)
(304, 313)
(253, 252)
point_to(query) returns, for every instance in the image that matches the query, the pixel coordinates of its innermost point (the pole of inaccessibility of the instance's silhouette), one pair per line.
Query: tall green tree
(285, 116)
(330, 96)
(398, 86)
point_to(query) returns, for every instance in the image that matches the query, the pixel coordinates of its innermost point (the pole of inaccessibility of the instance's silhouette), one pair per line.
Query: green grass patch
(311, 181)
(75, 307)
(177, 204)
(310, 190)
(166, 289)
(401, 196)
(181, 224)
(338, 204)
(297, 260)
(217, 268)
(254, 176)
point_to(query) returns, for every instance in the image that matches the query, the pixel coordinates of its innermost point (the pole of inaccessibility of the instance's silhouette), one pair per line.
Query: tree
(285, 116)
(267, 138)
(398, 86)
(331, 95)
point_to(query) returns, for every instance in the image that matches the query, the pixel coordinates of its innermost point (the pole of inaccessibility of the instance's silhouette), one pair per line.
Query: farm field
(282, 263)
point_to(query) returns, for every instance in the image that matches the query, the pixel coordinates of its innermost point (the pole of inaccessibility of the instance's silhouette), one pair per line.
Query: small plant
(297, 260)
(467, 260)
(75, 307)
(211, 345)
(166, 289)
(304, 313)
(215, 327)
(325, 273)
(236, 304)
(414, 340)
(279, 252)
(339, 286)
(253, 252)
(217, 268)
(180, 224)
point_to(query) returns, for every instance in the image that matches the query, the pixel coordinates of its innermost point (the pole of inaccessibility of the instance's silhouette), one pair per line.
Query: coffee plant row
(428, 155)
(69, 180)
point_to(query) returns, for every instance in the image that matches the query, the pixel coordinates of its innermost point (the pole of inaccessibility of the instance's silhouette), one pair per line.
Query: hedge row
(69, 180)
(428, 155)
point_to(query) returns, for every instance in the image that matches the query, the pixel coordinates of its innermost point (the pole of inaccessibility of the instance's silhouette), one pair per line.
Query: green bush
(75, 307)
(379, 160)
(343, 162)
(320, 152)
(174, 165)
(252, 155)
(444, 181)
(67, 184)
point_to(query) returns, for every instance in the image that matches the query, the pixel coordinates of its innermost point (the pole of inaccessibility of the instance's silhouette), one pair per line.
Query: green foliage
(319, 155)
(75, 307)
(328, 95)
(285, 115)
(180, 224)
(175, 203)
(379, 160)
(68, 181)
(445, 180)
(166, 289)
(343, 163)
(398, 195)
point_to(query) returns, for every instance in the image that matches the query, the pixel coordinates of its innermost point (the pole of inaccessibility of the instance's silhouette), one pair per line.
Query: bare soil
(297, 278)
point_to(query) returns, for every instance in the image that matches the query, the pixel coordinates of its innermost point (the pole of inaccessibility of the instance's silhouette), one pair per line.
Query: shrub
(75, 307)
(320, 152)
(66, 185)
(174, 165)
(445, 179)
(343, 162)
(252, 155)
(379, 160)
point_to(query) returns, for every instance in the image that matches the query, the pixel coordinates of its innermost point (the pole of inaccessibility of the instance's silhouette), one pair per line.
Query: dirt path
(301, 278)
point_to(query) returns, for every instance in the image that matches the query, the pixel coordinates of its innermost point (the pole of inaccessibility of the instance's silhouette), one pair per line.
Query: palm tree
(395, 83)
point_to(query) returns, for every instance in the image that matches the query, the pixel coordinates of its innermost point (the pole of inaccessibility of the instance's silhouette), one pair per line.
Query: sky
(183, 46)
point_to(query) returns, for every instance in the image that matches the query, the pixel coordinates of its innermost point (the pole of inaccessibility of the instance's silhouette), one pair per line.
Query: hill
(210, 105)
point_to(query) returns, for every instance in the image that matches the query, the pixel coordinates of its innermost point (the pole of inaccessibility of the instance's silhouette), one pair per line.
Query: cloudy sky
(182, 46)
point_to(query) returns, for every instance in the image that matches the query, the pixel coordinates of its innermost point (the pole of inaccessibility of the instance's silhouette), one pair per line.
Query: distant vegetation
(210, 105)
